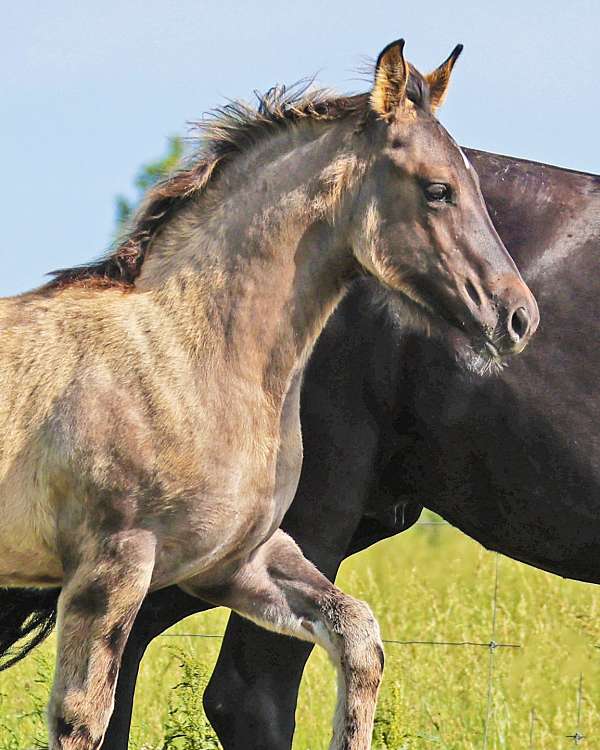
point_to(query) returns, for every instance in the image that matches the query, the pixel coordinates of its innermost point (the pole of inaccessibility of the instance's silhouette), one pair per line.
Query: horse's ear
(391, 77)
(440, 78)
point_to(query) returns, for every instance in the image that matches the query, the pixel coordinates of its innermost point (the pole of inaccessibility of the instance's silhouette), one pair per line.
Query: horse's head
(421, 226)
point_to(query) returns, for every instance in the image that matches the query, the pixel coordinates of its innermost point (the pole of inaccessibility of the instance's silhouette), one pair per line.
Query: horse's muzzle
(521, 322)
(505, 311)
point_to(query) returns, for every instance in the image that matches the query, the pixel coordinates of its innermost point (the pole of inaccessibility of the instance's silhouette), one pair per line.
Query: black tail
(27, 615)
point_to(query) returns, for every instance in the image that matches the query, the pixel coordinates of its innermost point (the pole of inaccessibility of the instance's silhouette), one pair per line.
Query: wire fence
(492, 647)
(576, 736)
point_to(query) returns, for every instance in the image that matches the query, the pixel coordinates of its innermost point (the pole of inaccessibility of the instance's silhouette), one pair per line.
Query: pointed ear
(440, 78)
(391, 77)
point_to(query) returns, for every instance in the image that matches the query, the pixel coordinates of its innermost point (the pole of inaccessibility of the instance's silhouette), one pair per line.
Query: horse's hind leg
(96, 609)
(281, 590)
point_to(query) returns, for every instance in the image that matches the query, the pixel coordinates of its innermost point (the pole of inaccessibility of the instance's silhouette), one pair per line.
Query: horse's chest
(287, 476)
(271, 504)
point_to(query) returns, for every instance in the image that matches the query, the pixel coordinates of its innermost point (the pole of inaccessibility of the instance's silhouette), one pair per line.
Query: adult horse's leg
(117, 733)
(96, 609)
(282, 591)
(160, 611)
(251, 697)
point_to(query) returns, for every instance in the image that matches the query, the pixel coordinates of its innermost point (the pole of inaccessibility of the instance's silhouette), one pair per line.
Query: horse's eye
(437, 191)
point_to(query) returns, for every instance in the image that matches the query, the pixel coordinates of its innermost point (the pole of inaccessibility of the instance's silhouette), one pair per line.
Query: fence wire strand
(578, 737)
(492, 646)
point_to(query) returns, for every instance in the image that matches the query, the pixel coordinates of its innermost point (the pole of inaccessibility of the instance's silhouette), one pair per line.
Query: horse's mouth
(483, 361)
(475, 354)
(492, 350)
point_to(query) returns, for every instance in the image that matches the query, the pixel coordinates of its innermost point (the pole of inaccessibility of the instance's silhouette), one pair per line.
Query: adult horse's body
(149, 403)
(389, 421)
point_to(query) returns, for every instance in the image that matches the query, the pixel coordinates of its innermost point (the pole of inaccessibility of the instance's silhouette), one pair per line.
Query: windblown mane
(224, 133)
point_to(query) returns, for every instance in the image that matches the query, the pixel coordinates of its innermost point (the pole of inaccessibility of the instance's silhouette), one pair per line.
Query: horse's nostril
(518, 324)
(472, 292)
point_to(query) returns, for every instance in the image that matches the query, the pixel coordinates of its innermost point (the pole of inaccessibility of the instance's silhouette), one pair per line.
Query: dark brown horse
(514, 461)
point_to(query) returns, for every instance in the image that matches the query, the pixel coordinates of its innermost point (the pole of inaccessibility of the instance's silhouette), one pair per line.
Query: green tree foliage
(148, 175)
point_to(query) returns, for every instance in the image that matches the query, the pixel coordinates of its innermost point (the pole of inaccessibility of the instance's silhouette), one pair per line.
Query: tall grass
(430, 584)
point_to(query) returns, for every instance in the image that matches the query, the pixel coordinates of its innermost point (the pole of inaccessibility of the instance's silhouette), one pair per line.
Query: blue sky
(92, 90)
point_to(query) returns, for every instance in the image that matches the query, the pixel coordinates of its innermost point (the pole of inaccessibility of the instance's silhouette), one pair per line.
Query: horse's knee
(361, 648)
(76, 722)
(225, 705)
(248, 716)
(67, 735)
(218, 707)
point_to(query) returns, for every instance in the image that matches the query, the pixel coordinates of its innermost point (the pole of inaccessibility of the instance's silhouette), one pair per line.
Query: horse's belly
(25, 557)
(213, 544)
(26, 567)
(284, 493)
(289, 458)
(28, 554)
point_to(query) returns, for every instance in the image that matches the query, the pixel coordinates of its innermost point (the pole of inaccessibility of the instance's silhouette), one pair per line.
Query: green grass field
(430, 584)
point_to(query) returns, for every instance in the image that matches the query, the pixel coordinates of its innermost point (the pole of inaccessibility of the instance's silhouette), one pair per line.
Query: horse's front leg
(102, 593)
(281, 590)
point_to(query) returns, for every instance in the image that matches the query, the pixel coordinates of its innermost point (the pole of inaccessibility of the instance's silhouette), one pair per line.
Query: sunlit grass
(430, 584)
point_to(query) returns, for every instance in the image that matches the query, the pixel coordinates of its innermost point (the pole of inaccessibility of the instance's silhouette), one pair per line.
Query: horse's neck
(254, 269)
